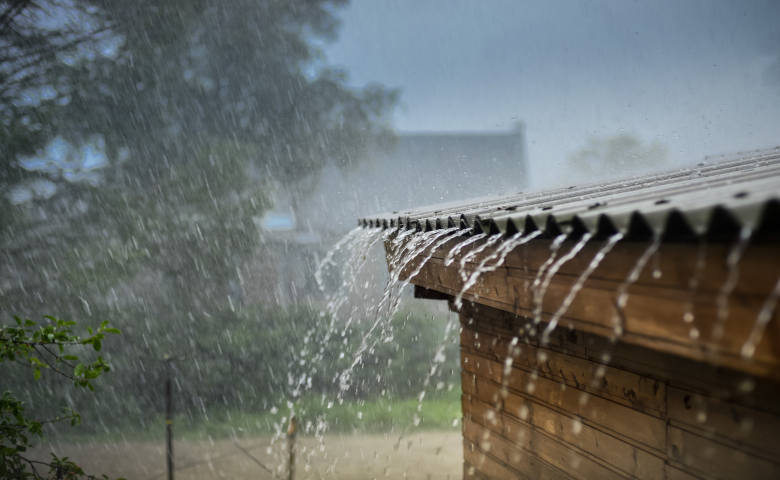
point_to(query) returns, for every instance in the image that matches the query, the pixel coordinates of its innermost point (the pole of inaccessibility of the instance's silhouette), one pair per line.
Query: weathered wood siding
(583, 407)
(656, 305)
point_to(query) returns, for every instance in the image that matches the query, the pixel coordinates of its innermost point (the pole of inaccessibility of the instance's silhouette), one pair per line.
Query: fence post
(168, 418)
(291, 432)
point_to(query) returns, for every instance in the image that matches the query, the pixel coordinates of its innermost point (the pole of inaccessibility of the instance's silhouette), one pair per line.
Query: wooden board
(482, 378)
(591, 442)
(542, 414)
(716, 459)
(637, 390)
(743, 428)
(656, 306)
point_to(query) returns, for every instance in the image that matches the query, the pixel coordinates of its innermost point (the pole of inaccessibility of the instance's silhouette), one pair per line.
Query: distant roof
(420, 168)
(720, 196)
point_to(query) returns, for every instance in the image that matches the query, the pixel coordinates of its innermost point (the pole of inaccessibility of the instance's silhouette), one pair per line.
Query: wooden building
(666, 363)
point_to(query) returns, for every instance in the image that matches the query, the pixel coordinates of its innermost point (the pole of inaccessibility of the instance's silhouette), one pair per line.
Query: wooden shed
(626, 329)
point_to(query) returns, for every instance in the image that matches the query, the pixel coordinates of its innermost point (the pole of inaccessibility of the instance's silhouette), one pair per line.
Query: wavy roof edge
(741, 191)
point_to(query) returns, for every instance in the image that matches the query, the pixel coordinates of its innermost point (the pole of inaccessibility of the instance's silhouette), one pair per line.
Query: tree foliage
(51, 347)
(169, 134)
(618, 155)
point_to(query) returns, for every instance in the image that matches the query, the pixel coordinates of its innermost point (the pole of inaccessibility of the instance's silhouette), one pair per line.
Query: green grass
(381, 415)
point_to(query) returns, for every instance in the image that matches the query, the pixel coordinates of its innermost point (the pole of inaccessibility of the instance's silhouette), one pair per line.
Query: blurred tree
(200, 90)
(617, 155)
(164, 157)
(39, 42)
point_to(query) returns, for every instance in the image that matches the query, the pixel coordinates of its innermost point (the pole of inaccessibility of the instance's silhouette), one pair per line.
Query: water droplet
(576, 427)
(747, 385)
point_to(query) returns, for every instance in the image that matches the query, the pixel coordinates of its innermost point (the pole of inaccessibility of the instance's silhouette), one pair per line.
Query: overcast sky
(700, 76)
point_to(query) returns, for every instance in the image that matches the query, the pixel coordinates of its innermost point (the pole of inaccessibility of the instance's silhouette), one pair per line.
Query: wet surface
(427, 455)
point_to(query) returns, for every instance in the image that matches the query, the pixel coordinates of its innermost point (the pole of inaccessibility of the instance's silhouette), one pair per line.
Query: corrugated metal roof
(721, 196)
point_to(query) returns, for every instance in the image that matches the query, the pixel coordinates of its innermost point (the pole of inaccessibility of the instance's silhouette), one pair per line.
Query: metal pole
(291, 431)
(168, 419)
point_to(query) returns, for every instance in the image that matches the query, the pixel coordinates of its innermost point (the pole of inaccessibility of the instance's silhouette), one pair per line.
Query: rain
(310, 239)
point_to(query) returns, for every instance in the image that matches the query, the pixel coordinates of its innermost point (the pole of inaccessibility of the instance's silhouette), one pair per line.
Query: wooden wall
(657, 302)
(585, 408)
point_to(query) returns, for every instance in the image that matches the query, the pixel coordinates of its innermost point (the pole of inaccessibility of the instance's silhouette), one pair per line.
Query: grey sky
(694, 74)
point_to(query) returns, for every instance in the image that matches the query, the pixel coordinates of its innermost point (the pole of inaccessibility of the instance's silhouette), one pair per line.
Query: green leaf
(103, 324)
(70, 357)
(29, 323)
(78, 370)
(113, 330)
(37, 374)
(96, 345)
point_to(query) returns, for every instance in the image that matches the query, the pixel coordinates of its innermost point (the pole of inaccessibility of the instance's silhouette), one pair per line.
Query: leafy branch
(40, 348)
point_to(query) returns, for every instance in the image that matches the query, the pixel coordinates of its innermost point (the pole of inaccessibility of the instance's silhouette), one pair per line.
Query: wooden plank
(716, 459)
(510, 455)
(480, 465)
(733, 386)
(525, 442)
(636, 389)
(675, 261)
(508, 325)
(650, 312)
(673, 473)
(630, 460)
(653, 321)
(482, 378)
(723, 421)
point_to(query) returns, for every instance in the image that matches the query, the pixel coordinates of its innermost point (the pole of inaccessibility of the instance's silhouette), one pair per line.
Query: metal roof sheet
(711, 199)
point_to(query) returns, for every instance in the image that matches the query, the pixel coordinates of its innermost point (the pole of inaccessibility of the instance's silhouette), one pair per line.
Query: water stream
(492, 240)
(460, 246)
(618, 317)
(693, 287)
(764, 316)
(405, 253)
(542, 289)
(594, 263)
(732, 266)
(501, 253)
(554, 247)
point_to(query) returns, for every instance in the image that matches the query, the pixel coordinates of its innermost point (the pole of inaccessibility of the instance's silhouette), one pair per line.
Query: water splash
(328, 260)
(439, 358)
(357, 244)
(764, 316)
(619, 317)
(693, 287)
(501, 253)
(594, 263)
(542, 289)
(442, 239)
(554, 247)
(457, 248)
(414, 247)
(732, 266)
(492, 240)
(404, 254)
